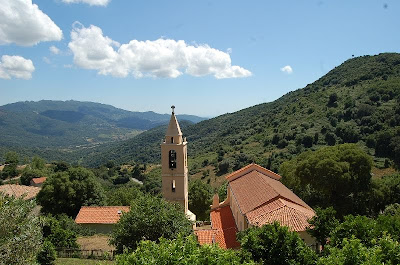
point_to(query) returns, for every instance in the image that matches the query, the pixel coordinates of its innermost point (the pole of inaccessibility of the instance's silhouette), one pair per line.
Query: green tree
(57, 235)
(359, 227)
(275, 244)
(66, 192)
(200, 199)
(182, 250)
(383, 251)
(11, 163)
(20, 231)
(149, 219)
(322, 224)
(47, 255)
(123, 196)
(339, 175)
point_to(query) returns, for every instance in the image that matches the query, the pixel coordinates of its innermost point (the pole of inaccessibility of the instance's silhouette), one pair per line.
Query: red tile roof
(224, 224)
(100, 214)
(39, 180)
(205, 236)
(263, 199)
(249, 168)
(286, 213)
(255, 189)
(27, 192)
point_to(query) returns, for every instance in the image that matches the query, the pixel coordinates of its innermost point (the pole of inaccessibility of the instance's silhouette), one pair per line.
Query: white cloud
(90, 2)
(46, 60)
(54, 50)
(23, 23)
(287, 69)
(159, 58)
(16, 66)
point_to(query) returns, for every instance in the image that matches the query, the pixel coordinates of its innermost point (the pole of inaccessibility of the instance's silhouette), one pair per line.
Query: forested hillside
(53, 129)
(356, 102)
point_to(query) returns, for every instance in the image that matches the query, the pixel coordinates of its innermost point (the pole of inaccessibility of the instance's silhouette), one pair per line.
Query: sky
(205, 57)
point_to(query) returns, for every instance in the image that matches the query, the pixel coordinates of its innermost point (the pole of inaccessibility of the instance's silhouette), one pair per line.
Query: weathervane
(173, 109)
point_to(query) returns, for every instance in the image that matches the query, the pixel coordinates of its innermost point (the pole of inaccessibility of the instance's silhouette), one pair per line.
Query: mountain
(357, 102)
(71, 125)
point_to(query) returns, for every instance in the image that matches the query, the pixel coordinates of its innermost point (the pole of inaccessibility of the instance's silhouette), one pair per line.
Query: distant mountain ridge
(49, 124)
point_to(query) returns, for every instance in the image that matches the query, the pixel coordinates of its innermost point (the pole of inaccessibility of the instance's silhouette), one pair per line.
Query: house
(101, 219)
(255, 197)
(20, 191)
(38, 182)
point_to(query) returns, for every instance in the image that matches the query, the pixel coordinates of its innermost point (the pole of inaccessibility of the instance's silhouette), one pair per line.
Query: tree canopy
(335, 176)
(66, 192)
(149, 219)
(200, 199)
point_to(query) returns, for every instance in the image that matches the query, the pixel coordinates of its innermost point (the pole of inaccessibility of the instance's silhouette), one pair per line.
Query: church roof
(223, 230)
(100, 214)
(173, 127)
(263, 199)
(282, 211)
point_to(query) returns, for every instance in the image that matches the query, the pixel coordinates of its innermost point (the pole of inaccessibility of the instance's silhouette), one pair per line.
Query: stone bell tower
(174, 166)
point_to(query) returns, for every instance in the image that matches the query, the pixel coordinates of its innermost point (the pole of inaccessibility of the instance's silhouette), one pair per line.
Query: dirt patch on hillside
(95, 242)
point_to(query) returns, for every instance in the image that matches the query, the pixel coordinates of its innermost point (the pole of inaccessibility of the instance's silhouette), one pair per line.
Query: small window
(172, 159)
(172, 140)
(173, 186)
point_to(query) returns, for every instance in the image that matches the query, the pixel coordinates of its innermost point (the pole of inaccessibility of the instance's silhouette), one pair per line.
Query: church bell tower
(174, 165)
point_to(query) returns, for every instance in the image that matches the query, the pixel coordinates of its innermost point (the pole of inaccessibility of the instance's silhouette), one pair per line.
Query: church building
(255, 197)
(174, 164)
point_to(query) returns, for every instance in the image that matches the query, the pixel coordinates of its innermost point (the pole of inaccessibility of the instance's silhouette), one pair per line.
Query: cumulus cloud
(287, 69)
(90, 2)
(23, 23)
(54, 50)
(16, 66)
(159, 58)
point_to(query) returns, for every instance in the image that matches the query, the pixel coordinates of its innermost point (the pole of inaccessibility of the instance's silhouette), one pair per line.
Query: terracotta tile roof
(249, 168)
(224, 224)
(39, 180)
(100, 214)
(255, 189)
(19, 191)
(205, 236)
(285, 212)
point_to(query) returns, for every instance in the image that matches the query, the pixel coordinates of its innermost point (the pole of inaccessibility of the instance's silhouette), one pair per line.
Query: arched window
(172, 159)
(172, 140)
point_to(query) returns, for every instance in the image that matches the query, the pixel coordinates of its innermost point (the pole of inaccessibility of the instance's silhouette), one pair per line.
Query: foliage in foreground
(322, 224)
(20, 231)
(47, 255)
(149, 219)
(384, 251)
(276, 245)
(182, 250)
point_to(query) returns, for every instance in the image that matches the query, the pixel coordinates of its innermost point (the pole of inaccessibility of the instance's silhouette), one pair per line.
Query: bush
(275, 244)
(47, 254)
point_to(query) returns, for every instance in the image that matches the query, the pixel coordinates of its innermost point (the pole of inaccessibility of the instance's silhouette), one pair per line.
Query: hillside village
(317, 206)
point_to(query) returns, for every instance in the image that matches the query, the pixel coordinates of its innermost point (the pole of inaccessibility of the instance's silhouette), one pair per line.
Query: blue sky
(205, 57)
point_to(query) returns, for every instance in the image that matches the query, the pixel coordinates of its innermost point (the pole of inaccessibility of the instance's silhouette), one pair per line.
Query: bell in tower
(174, 166)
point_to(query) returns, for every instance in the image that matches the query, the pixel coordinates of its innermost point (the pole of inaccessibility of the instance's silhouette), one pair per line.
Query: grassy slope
(247, 135)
